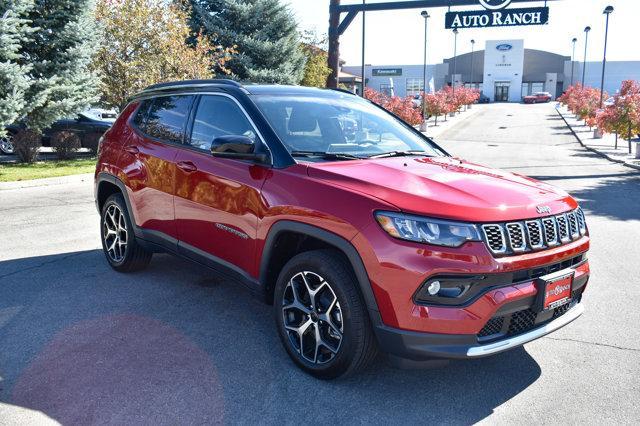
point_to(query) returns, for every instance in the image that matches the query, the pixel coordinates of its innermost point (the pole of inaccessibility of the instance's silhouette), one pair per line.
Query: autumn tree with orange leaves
(145, 42)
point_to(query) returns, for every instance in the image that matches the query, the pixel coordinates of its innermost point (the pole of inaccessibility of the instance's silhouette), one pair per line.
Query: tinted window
(338, 124)
(218, 116)
(167, 118)
(141, 114)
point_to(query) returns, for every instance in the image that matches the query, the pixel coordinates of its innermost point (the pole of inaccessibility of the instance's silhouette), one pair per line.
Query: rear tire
(321, 317)
(119, 244)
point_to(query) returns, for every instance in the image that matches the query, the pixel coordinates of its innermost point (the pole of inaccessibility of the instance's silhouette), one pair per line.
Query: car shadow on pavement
(613, 195)
(83, 344)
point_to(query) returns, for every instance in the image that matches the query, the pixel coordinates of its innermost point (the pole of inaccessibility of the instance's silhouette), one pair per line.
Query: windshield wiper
(326, 155)
(401, 154)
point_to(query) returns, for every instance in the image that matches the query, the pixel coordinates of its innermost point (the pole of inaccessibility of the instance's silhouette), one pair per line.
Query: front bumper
(418, 346)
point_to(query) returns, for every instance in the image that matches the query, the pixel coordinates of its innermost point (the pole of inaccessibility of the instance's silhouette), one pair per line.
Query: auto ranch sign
(496, 15)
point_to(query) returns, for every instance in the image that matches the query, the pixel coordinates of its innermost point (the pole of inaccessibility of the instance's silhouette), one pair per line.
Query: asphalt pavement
(82, 344)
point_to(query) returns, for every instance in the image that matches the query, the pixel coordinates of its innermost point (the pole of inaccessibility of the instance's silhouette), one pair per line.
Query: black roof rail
(191, 83)
(337, 89)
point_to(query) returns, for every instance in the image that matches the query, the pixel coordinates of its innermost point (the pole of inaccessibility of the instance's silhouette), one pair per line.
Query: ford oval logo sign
(504, 47)
(494, 4)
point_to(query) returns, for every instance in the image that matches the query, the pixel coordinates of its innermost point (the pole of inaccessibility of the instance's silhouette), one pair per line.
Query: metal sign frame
(338, 25)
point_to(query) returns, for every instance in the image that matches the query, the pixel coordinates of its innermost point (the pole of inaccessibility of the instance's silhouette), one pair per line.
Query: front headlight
(427, 230)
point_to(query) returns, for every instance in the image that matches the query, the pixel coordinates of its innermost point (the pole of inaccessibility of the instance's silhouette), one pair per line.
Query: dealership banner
(497, 18)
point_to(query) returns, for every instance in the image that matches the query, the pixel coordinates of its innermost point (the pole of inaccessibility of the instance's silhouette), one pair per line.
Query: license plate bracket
(554, 290)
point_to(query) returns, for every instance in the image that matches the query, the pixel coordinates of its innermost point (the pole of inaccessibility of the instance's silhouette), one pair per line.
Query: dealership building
(505, 71)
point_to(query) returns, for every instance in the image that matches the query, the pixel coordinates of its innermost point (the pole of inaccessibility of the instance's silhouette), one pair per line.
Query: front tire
(119, 244)
(321, 318)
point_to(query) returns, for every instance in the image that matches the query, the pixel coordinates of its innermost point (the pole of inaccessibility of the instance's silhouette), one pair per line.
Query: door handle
(132, 149)
(187, 166)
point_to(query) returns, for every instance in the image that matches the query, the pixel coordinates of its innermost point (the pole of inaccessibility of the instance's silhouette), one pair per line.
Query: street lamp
(573, 58)
(472, 82)
(586, 41)
(362, 71)
(423, 127)
(473, 45)
(455, 61)
(607, 11)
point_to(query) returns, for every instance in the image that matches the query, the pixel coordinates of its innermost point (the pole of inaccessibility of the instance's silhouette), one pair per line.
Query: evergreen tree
(14, 29)
(59, 53)
(262, 32)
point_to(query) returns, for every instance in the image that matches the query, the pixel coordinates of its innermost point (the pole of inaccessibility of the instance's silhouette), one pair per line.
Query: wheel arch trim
(114, 180)
(330, 238)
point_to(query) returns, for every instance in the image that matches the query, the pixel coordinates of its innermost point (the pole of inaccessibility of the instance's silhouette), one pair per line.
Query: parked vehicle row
(89, 125)
(362, 233)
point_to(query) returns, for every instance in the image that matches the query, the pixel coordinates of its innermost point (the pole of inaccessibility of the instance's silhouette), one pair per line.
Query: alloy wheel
(312, 317)
(115, 233)
(6, 145)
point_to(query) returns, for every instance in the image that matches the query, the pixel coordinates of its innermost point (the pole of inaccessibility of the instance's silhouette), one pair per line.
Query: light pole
(423, 127)
(584, 63)
(455, 61)
(364, 78)
(607, 11)
(573, 58)
(473, 45)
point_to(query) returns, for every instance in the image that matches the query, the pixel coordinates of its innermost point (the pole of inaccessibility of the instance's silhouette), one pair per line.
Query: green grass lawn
(45, 169)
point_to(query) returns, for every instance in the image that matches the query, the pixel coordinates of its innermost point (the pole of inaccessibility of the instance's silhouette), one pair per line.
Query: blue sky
(396, 37)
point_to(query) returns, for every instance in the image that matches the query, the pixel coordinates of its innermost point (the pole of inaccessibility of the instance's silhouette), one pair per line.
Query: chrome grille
(550, 232)
(494, 236)
(517, 241)
(582, 224)
(537, 234)
(534, 233)
(563, 228)
(573, 225)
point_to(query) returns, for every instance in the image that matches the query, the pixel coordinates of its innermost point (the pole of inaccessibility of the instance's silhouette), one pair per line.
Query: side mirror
(237, 147)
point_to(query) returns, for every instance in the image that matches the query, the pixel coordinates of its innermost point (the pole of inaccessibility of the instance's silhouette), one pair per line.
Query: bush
(26, 144)
(584, 102)
(403, 108)
(65, 144)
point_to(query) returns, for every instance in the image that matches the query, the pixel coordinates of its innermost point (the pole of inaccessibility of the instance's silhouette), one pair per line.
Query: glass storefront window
(537, 87)
(414, 86)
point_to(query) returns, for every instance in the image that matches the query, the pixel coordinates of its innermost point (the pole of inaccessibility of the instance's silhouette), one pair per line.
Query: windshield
(308, 124)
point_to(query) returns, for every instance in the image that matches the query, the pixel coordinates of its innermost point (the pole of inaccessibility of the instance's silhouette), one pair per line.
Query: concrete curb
(588, 148)
(60, 180)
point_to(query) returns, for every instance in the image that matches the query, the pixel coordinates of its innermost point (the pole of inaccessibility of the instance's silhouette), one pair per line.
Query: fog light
(434, 288)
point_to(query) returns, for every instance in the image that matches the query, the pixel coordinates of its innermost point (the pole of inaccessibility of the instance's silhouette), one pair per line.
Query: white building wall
(399, 82)
(616, 73)
(503, 66)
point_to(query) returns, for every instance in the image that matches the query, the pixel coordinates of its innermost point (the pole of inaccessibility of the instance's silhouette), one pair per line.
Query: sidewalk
(59, 180)
(434, 131)
(605, 146)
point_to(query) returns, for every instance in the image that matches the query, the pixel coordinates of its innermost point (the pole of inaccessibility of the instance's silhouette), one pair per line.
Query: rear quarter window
(164, 118)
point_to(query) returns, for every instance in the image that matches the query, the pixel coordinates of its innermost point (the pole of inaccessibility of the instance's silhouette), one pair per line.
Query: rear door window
(167, 118)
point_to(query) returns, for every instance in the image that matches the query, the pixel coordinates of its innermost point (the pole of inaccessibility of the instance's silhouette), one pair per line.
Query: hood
(446, 187)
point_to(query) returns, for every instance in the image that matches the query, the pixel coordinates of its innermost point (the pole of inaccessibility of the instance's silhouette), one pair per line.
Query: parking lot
(173, 344)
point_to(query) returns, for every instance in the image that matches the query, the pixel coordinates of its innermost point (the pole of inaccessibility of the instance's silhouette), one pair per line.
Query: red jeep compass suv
(362, 233)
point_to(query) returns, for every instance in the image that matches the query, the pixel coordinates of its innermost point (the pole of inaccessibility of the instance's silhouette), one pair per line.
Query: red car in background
(538, 98)
(360, 231)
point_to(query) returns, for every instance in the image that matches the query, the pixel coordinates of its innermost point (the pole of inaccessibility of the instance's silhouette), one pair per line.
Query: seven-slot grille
(519, 237)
